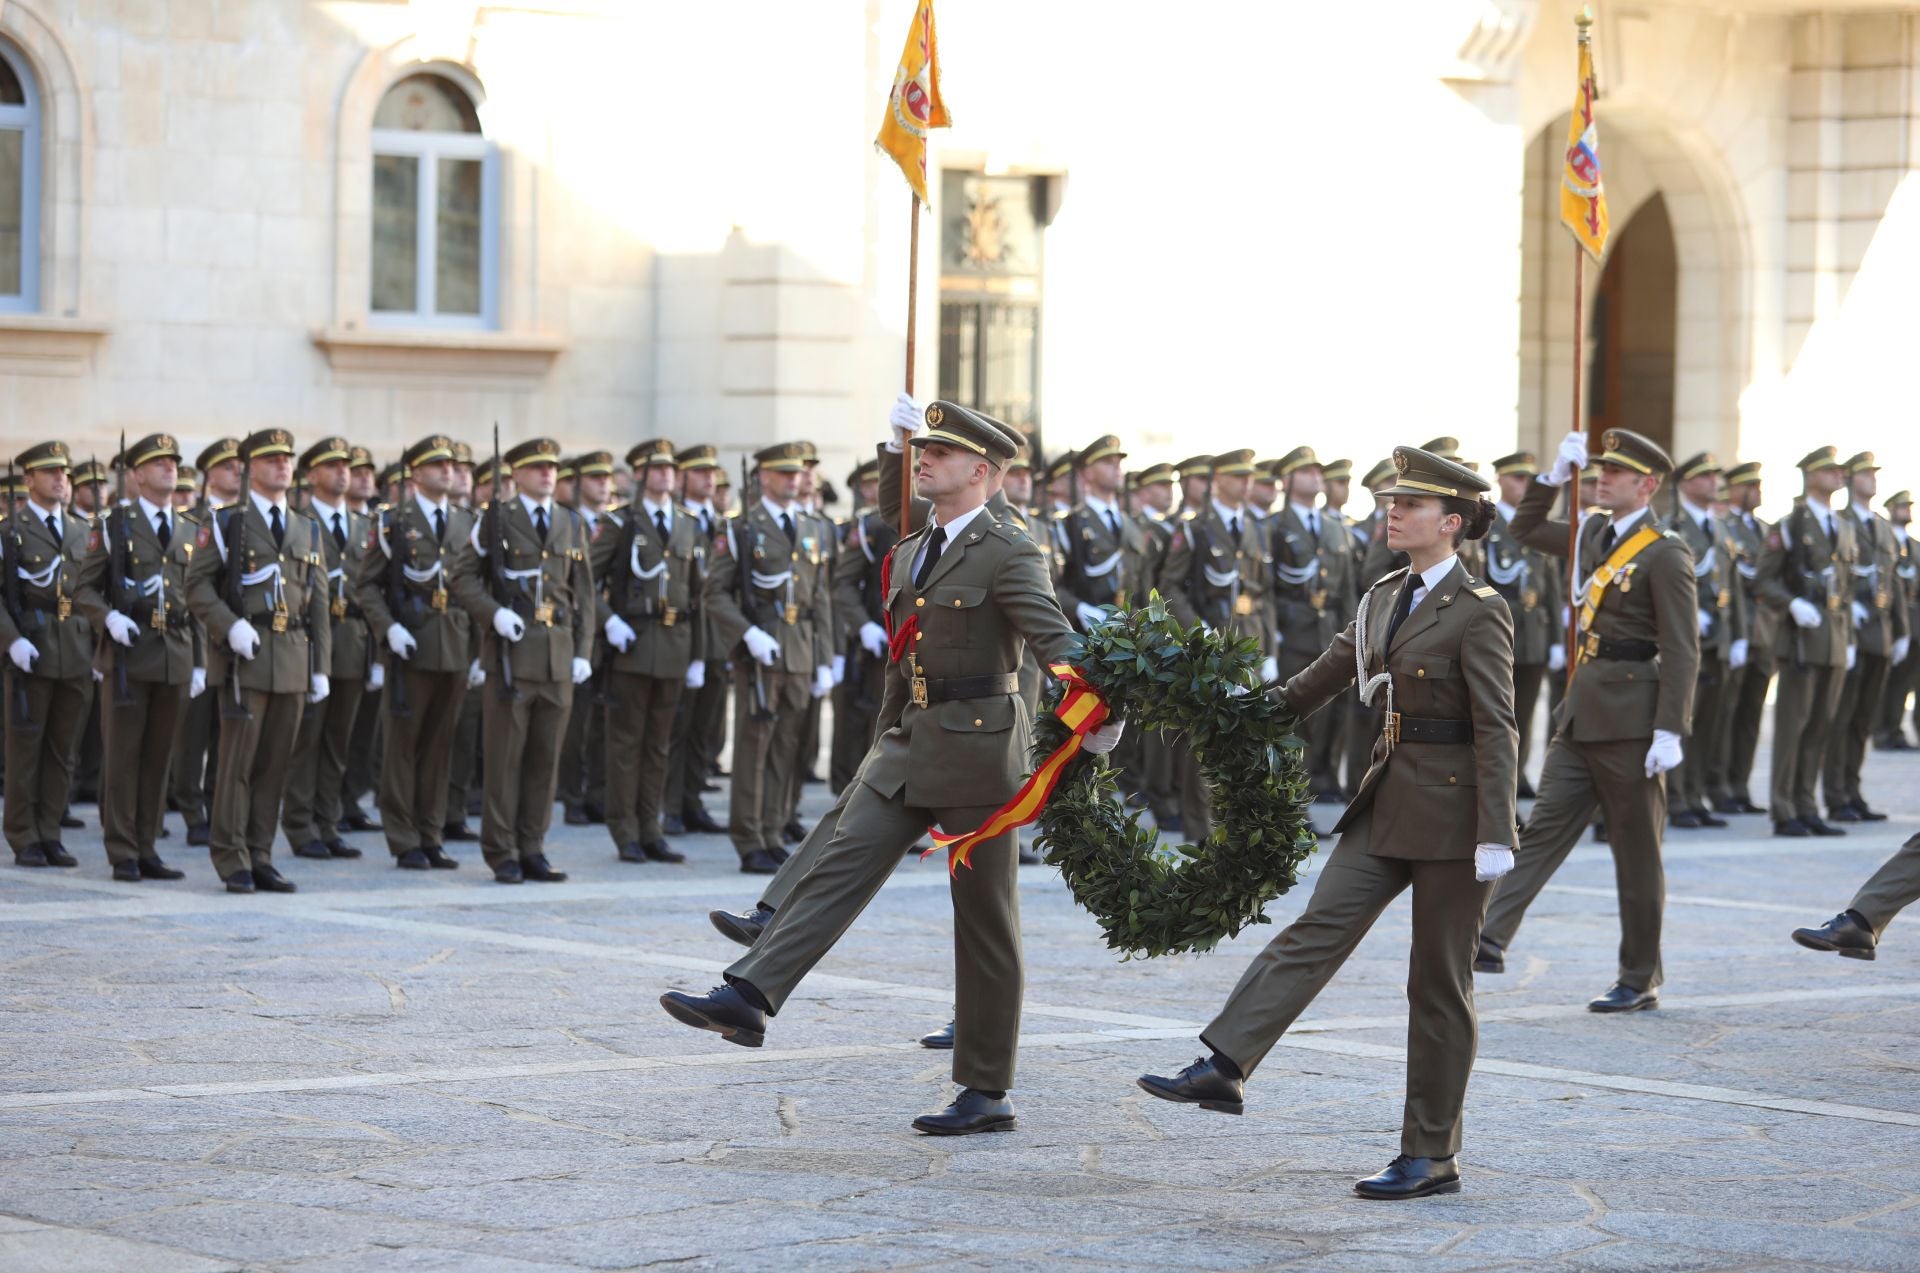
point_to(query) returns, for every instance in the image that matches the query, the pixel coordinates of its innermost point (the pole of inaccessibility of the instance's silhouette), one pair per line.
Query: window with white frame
(19, 185)
(436, 208)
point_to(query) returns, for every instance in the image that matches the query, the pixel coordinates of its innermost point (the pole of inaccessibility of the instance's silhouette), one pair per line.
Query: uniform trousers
(419, 753)
(765, 754)
(1803, 709)
(136, 748)
(312, 808)
(1740, 741)
(639, 719)
(197, 737)
(40, 754)
(1853, 721)
(694, 727)
(463, 765)
(251, 779)
(522, 737)
(1895, 886)
(1527, 679)
(1687, 785)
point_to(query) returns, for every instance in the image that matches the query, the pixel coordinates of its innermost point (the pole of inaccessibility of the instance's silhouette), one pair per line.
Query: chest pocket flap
(1424, 667)
(955, 597)
(978, 715)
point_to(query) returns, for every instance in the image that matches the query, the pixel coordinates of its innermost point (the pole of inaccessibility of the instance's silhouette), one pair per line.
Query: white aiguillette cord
(1368, 687)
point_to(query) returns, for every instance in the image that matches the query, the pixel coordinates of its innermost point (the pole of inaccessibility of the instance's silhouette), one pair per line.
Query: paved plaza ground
(398, 1070)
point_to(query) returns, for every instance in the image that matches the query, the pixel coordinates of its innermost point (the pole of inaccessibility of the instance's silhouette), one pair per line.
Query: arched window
(436, 208)
(19, 185)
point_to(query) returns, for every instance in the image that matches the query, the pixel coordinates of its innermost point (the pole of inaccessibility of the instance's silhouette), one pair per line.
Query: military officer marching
(1722, 637)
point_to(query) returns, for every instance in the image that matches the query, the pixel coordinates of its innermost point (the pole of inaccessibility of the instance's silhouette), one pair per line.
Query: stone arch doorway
(1631, 354)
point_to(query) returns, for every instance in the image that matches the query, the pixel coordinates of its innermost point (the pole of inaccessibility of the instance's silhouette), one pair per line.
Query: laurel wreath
(1159, 675)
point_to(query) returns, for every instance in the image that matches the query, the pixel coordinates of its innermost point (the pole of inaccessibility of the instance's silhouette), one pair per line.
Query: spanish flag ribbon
(1082, 710)
(1583, 199)
(914, 106)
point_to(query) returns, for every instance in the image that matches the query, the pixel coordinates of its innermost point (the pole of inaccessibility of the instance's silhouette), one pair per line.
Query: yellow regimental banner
(1583, 200)
(914, 105)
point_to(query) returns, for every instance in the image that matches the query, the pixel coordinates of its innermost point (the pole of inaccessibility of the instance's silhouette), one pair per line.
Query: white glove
(377, 677)
(1737, 653)
(1706, 622)
(839, 668)
(1491, 861)
(242, 639)
(121, 628)
(1090, 616)
(1664, 753)
(1570, 460)
(1104, 739)
(1270, 668)
(1853, 656)
(696, 674)
(99, 677)
(508, 624)
(197, 683)
(322, 686)
(1557, 657)
(1804, 612)
(620, 634)
(1860, 615)
(582, 671)
(476, 675)
(905, 420)
(822, 681)
(761, 646)
(1900, 647)
(874, 637)
(401, 641)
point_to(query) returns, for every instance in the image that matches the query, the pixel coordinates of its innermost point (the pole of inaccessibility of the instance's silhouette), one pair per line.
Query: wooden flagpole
(1574, 511)
(913, 314)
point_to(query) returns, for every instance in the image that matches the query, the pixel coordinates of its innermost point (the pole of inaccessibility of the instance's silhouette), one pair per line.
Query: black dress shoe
(240, 882)
(57, 855)
(1844, 813)
(268, 880)
(127, 872)
(1867, 814)
(793, 832)
(357, 821)
(631, 852)
(595, 814)
(1203, 1083)
(1524, 790)
(32, 855)
(312, 849)
(780, 855)
(577, 817)
(199, 834)
(1893, 742)
(412, 860)
(1624, 998)
(1411, 1178)
(723, 1010)
(1844, 934)
(744, 927)
(1792, 828)
(1685, 818)
(759, 862)
(1748, 806)
(670, 824)
(702, 821)
(457, 833)
(339, 848)
(1599, 833)
(1490, 957)
(437, 858)
(154, 869)
(1727, 804)
(1818, 827)
(70, 823)
(166, 832)
(941, 1039)
(657, 851)
(970, 1112)
(508, 873)
(536, 867)
(1708, 820)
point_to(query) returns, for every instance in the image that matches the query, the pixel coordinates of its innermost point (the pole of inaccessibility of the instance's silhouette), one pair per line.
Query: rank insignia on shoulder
(1484, 590)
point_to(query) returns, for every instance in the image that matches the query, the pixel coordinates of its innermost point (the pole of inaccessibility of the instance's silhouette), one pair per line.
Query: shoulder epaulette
(1061, 515)
(1479, 589)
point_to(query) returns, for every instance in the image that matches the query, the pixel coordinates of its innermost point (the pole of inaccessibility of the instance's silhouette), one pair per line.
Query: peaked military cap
(46, 455)
(721, 478)
(1230, 463)
(1197, 466)
(1061, 466)
(1154, 474)
(1301, 457)
(695, 457)
(1519, 464)
(219, 453)
(186, 478)
(359, 457)
(1021, 462)
(90, 472)
(1445, 447)
(267, 442)
(784, 457)
(1379, 475)
(1264, 470)
(427, 450)
(483, 474)
(533, 451)
(1418, 471)
(868, 472)
(1821, 457)
(391, 474)
(1744, 474)
(462, 452)
(970, 430)
(155, 446)
(654, 451)
(809, 453)
(599, 463)
(1337, 470)
(1099, 449)
(1899, 499)
(1699, 466)
(1862, 463)
(325, 451)
(563, 469)
(1634, 451)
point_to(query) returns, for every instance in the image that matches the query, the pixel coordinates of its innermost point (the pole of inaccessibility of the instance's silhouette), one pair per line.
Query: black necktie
(274, 525)
(53, 525)
(1113, 524)
(339, 533)
(935, 538)
(660, 523)
(540, 523)
(440, 524)
(163, 527)
(1233, 529)
(1607, 538)
(1313, 525)
(1402, 608)
(706, 524)
(786, 526)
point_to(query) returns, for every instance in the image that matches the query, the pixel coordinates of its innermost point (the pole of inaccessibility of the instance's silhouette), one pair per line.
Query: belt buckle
(1243, 604)
(669, 617)
(1318, 600)
(280, 617)
(543, 615)
(1393, 730)
(792, 613)
(339, 607)
(1590, 648)
(919, 684)
(63, 608)
(158, 619)
(439, 599)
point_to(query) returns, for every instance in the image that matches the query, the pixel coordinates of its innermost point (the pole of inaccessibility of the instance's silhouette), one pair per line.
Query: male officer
(700, 720)
(49, 646)
(583, 754)
(310, 814)
(404, 583)
(1166, 568)
(532, 597)
(258, 585)
(1620, 727)
(767, 598)
(1855, 933)
(970, 589)
(1746, 694)
(1881, 635)
(1307, 591)
(651, 563)
(190, 783)
(1806, 576)
(1343, 598)
(149, 661)
(1722, 627)
(1891, 733)
(1531, 585)
(858, 614)
(90, 496)
(1101, 552)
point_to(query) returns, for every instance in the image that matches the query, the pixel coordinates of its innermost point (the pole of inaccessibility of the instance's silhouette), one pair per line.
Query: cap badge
(935, 415)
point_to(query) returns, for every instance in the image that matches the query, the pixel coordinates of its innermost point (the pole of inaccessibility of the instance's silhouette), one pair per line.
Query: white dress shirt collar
(653, 509)
(777, 511)
(1506, 510)
(154, 512)
(958, 524)
(266, 507)
(544, 505)
(1430, 578)
(1102, 508)
(324, 511)
(1625, 522)
(1700, 515)
(1305, 512)
(429, 506)
(1228, 515)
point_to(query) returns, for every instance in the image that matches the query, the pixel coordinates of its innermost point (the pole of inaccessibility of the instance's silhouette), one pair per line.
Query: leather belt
(941, 689)
(1595, 646)
(263, 623)
(1417, 729)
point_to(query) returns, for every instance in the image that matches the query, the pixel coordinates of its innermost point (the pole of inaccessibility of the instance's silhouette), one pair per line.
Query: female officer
(1436, 811)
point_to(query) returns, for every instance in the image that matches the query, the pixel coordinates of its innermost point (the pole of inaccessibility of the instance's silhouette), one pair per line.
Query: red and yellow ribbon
(1082, 710)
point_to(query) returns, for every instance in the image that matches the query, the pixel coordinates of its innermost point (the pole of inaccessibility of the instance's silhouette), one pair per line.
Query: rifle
(503, 589)
(743, 579)
(619, 585)
(117, 574)
(398, 601)
(233, 704)
(16, 607)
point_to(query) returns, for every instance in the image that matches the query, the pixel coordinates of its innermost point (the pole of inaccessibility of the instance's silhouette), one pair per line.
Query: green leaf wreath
(1160, 675)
